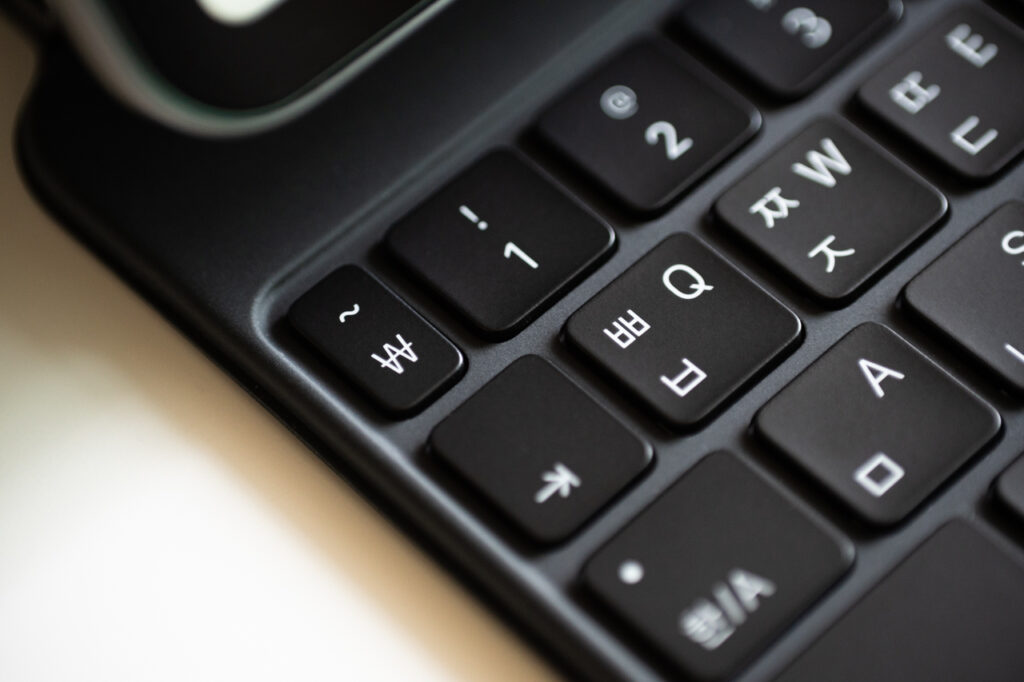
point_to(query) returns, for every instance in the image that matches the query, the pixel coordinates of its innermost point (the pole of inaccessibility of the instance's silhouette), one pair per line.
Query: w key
(831, 208)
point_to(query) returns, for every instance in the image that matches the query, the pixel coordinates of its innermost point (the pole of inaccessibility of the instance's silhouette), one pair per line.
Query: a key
(956, 92)
(877, 423)
(683, 329)
(376, 341)
(974, 293)
(789, 47)
(1010, 488)
(499, 243)
(540, 449)
(646, 126)
(831, 208)
(717, 567)
(953, 611)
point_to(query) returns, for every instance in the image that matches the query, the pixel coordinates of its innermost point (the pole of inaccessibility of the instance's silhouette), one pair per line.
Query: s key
(974, 294)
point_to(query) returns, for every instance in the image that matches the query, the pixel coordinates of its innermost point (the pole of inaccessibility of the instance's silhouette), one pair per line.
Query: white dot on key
(631, 572)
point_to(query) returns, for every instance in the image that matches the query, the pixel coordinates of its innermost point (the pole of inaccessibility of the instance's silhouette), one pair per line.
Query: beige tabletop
(157, 524)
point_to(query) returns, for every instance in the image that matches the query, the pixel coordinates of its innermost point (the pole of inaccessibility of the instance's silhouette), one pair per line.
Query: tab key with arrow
(560, 480)
(528, 440)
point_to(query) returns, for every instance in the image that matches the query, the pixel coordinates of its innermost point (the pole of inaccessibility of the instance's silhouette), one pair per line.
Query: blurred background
(157, 524)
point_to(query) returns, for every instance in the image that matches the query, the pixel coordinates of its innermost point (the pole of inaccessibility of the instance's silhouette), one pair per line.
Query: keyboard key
(647, 127)
(539, 449)
(953, 611)
(831, 208)
(974, 293)
(717, 567)
(877, 423)
(789, 47)
(376, 341)
(956, 92)
(500, 243)
(683, 330)
(1010, 488)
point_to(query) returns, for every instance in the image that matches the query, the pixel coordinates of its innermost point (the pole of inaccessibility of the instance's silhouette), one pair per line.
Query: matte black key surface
(717, 567)
(683, 329)
(499, 243)
(789, 47)
(953, 611)
(831, 208)
(956, 92)
(1010, 488)
(974, 293)
(376, 341)
(877, 423)
(540, 449)
(647, 127)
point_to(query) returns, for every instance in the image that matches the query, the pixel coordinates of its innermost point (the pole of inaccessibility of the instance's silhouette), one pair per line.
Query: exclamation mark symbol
(472, 217)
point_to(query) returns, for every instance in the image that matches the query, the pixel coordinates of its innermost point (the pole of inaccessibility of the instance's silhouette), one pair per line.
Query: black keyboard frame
(191, 224)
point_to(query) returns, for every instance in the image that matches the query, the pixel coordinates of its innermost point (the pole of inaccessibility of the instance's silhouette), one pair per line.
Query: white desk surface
(157, 524)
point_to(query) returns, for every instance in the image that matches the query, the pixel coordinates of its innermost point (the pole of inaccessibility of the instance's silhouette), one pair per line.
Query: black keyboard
(693, 336)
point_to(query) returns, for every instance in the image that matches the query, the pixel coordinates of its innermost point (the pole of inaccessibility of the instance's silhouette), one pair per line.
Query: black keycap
(500, 243)
(831, 208)
(376, 341)
(877, 423)
(646, 126)
(789, 47)
(974, 293)
(953, 611)
(1010, 488)
(717, 567)
(957, 93)
(683, 329)
(540, 449)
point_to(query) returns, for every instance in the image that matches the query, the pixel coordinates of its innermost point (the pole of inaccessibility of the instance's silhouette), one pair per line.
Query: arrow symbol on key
(559, 480)
(1014, 352)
